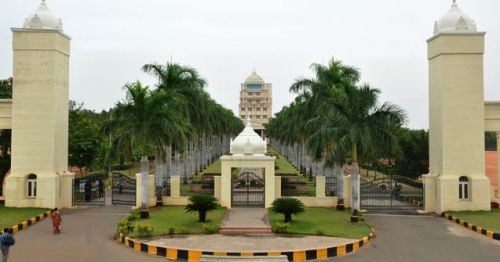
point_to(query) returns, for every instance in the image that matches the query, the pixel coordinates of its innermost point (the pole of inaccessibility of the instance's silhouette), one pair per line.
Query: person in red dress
(56, 221)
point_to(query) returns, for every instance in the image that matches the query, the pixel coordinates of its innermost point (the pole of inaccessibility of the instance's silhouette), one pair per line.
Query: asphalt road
(87, 235)
(423, 239)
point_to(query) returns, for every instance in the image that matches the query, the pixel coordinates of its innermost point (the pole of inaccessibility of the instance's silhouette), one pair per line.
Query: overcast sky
(226, 39)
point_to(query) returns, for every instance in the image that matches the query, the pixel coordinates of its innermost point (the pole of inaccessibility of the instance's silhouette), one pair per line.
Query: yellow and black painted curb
(195, 255)
(484, 231)
(25, 224)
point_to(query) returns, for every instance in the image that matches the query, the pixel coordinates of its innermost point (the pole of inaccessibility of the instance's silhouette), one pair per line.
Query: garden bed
(164, 219)
(322, 221)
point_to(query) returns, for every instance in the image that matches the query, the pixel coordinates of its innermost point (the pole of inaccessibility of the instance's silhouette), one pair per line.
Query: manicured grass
(282, 165)
(10, 216)
(213, 168)
(184, 223)
(485, 219)
(323, 221)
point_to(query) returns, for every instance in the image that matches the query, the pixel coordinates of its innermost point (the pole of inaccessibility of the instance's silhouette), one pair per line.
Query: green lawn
(10, 216)
(485, 219)
(323, 221)
(175, 217)
(282, 165)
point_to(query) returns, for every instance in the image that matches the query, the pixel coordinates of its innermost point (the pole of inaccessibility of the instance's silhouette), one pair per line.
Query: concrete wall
(39, 119)
(492, 115)
(456, 122)
(5, 113)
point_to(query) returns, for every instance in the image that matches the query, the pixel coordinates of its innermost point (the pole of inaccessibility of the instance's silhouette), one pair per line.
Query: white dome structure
(248, 143)
(455, 21)
(43, 18)
(254, 78)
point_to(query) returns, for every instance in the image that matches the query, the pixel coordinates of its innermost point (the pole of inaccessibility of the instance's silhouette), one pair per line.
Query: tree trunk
(355, 204)
(339, 174)
(202, 216)
(288, 217)
(144, 181)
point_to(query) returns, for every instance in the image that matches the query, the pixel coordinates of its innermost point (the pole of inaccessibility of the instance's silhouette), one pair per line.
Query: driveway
(87, 235)
(424, 239)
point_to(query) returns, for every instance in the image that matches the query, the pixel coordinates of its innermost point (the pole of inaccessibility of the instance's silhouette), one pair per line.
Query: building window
(258, 117)
(257, 94)
(264, 116)
(258, 108)
(463, 188)
(31, 185)
(242, 109)
(243, 116)
(250, 109)
(250, 117)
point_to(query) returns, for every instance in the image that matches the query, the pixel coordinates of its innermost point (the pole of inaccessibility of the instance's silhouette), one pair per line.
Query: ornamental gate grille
(248, 190)
(123, 190)
(89, 190)
(391, 193)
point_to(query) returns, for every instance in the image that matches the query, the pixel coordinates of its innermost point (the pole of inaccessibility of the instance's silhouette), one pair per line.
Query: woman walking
(55, 215)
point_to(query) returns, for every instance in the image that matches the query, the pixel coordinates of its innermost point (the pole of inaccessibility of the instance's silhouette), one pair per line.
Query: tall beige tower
(256, 102)
(40, 114)
(456, 179)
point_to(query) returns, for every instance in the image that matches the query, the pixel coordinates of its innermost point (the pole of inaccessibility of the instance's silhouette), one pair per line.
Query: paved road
(423, 238)
(87, 235)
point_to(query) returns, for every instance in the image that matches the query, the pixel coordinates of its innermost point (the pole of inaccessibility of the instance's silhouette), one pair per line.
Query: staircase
(245, 221)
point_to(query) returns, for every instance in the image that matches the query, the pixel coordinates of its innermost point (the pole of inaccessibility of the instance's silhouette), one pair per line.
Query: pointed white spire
(43, 18)
(455, 20)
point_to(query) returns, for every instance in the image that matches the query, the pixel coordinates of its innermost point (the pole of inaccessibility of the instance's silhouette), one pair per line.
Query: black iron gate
(123, 190)
(248, 190)
(89, 190)
(391, 193)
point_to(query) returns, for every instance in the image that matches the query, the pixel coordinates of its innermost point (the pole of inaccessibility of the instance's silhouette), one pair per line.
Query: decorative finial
(254, 71)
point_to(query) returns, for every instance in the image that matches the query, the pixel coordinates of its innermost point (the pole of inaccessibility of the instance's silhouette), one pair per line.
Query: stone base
(52, 190)
(441, 194)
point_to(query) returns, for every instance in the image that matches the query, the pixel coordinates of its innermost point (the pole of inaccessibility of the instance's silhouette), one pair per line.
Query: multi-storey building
(256, 102)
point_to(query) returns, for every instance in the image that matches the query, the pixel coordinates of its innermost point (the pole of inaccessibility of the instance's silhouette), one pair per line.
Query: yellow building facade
(456, 179)
(256, 102)
(39, 115)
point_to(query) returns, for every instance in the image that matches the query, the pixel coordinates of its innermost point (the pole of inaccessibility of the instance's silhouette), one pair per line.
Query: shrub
(320, 233)
(143, 230)
(202, 204)
(125, 226)
(171, 231)
(281, 228)
(287, 206)
(210, 229)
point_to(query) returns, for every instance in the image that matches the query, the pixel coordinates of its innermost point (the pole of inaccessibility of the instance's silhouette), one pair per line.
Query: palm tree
(318, 93)
(357, 124)
(144, 122)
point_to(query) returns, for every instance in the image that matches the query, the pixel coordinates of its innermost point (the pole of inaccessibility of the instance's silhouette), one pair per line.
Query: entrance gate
(391, 193)
(89, 190)
(248, 190)
(123, 190)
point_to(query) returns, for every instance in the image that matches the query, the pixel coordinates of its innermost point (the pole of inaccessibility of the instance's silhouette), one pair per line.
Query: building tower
(256, 102)
(456, 179)
(40, 114)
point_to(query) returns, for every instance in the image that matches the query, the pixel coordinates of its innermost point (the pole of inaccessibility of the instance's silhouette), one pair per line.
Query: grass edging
(26, 223)
(173, 253)
(489, 233)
